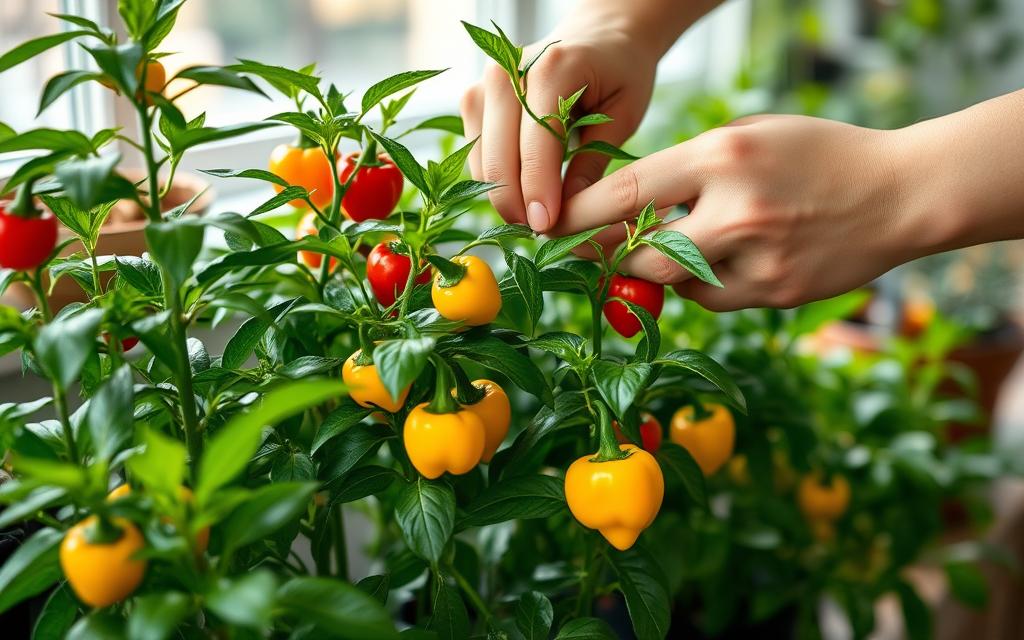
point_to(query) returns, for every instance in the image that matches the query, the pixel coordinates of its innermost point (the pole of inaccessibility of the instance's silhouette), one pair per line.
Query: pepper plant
(169, 491)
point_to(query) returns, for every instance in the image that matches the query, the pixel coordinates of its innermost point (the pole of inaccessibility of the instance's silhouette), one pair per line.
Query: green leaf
(249, 334)
(111, 414)
(182, 140)
(63, 346)
(586, 629)
(462, 191)
(497, 48)
(705, 367)
(376, 586)
(362, 482)
(160, 467)
(32, 48)
(566, 346)
(647, 349)
(32, 568)
(449, 618)
(336, 607)
(141, 273)
(619, 384)
(48, 139)
(509, 231)
(496, 355)
(230, 450)
(286, 81)
(677, 462)
(220, 76)
(400, 362)
(119, 62)
(266, 510)
(293, 466)
(27, 506)
(343, 453)
(404, 160)
(516, 498)
(93, 181)
(682, 251)
(256, 174)
(60, 84)
(565, 105)
(917, 617)
(101, 624)
(278, 200)
(155, 616)
(604, 148)
(247, 600)
(175, 245)
(534, 615)
(58, 614)
(393, 85)
(166, 15)
(425, 512)
(966, 581)
(554, 250)
(451, 124)
(305, 366)
(590, 120)
(643, 585)
(347, 415)
(523, 281)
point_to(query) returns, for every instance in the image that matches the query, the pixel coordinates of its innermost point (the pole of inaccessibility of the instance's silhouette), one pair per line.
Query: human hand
(603, 50)
(787, 209)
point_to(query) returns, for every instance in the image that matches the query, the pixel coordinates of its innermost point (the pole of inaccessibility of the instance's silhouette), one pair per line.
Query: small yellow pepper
(709, 440)
(495, 412)
(617, 491)
(102, 572)
(474, 299)
(821, 499)
(366, 387)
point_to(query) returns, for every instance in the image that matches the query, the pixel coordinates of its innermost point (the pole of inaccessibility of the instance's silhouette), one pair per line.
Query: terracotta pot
(990, 356)
(121, 235)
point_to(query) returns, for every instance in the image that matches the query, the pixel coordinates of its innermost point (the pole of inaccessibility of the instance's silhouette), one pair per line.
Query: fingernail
(537, 216)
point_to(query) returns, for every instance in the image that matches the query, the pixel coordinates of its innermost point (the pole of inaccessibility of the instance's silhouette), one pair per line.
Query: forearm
(965, 175)
(655, 24)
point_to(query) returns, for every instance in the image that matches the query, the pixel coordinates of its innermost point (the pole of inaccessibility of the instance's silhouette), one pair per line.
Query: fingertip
(538, 216)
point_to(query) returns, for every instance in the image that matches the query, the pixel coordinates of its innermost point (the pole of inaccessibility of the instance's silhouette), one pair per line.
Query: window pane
(22, 20)
(354, 42)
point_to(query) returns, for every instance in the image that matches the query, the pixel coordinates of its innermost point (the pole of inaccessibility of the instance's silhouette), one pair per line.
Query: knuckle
(625, 189)
(471, 100)
(493, 74)
(729, 147)
(663, 270)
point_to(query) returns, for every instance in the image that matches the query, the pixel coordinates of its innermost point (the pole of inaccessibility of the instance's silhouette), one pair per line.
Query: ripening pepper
(823, 499)
(474, 299)
(650, 433)
(366, 387)
(439, 442)
(495, 412)
(202, 540)
(102, 571)
(709, 440)
(619, 498)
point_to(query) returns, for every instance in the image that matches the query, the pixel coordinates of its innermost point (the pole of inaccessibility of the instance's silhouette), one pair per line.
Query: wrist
(929, 217)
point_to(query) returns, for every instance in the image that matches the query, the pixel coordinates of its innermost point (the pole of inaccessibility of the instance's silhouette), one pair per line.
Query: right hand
(599, 51)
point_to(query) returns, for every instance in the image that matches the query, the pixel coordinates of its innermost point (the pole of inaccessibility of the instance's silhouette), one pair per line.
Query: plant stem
(471, 593)
(608, 448)
(172, 301)
(60, 402)
(584, 602)
(443, 402)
